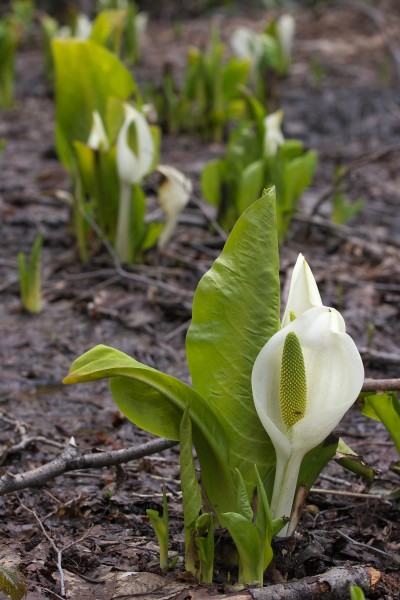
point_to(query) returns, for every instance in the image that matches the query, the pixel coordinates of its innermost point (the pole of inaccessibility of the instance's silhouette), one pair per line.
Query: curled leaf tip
(293, 384)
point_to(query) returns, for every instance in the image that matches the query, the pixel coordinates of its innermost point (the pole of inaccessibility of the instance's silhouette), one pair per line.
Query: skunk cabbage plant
(134, 161)
(304, 380)
(256, 404)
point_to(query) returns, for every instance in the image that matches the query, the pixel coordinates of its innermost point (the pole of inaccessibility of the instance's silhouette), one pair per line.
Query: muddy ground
(342, 98)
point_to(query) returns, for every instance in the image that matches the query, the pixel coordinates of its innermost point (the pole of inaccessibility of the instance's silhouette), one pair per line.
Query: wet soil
(342, 98)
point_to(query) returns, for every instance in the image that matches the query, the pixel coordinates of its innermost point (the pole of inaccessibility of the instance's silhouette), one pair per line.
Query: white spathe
(98, 137)
(334, 376)
(174, 193)
(132, 165)
(245, 44)
(285, 27)
(303, 291)
(273, 136)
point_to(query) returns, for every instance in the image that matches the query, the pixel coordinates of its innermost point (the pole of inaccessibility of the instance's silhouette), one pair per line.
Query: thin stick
(381, 385)
(127, 274)
(347, 494)
(71, 460)
(371, 548)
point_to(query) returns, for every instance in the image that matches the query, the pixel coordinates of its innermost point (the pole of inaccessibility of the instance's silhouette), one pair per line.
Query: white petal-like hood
(174, 191)
(334, 374)
(285, 27)
(133, 166)
(244, 43)
(273, 136)
(97, 138)
(303, 291)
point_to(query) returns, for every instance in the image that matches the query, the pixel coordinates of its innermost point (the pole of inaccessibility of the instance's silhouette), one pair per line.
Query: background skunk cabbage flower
(133, 163)
(273, 137)
(285, 27)
(304, 380)
(246, 44)
(174, 193)
(97, 138)
(303, 291)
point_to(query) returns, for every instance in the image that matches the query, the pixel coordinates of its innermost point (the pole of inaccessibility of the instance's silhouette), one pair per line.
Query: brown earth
(342, 98)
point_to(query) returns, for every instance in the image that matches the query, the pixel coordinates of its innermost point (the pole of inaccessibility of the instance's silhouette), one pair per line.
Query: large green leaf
(385, 408)
(156, 402)
(108, 29)
(251, 182)
(86, 76)
(235, 312)
(211, 181)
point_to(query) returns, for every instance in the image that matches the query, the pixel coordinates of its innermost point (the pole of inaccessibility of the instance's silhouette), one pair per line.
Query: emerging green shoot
(30, 277)
(12, 583)
(161, 529)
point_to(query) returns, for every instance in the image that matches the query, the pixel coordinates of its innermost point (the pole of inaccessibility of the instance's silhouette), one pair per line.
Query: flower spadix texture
(134, 163)
(304, 380)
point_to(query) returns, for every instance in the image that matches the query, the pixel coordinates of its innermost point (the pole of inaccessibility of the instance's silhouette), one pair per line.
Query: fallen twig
(138, 277)
(71, 460)
(334, 583)
(381, 385)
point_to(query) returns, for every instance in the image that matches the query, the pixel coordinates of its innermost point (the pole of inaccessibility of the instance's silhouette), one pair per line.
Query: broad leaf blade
(86, 76)
(156, 402)
(315, 460)
(251, 183)
(235, 312)
(385, 408)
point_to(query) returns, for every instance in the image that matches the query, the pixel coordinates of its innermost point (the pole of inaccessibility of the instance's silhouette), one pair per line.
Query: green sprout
(30, 278)
(12, 583)
(161, 529)
(356, 593)
(342, 210)
(8, 44)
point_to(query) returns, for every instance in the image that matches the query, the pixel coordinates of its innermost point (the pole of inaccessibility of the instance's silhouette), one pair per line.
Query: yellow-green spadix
(304, 380)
